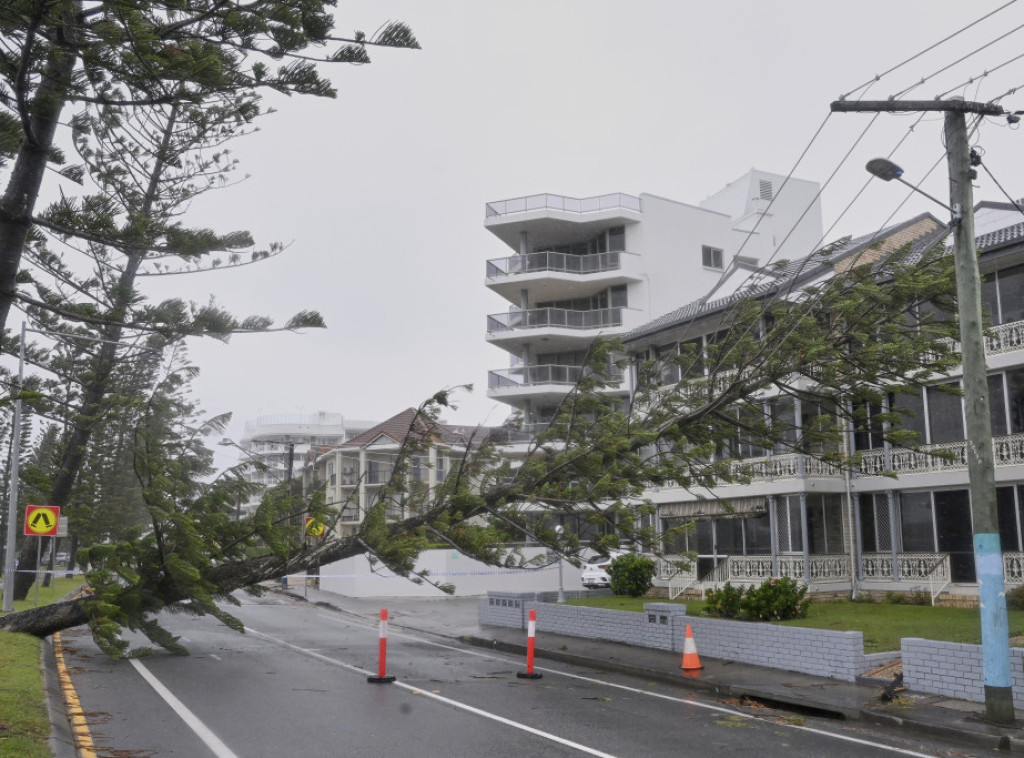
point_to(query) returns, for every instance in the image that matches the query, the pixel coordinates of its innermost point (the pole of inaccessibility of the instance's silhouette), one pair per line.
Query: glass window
(1009, 522)
(783, 412)
(867, 433)
(729, 536)
(1015, 399)
(1011, 294)
(711, 257)
(914, 422)
(945, 415)
(825, 524)
(997, 404)
(868, 537)
(758, 534)
(617, 238)
(916, 524)
(989, 299)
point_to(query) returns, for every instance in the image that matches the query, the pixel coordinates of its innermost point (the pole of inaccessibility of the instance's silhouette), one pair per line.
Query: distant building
(273, 439)
(354, 472)
(581, 268)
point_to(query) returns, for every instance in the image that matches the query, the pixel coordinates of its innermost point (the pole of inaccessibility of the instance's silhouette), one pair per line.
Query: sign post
(41, 521)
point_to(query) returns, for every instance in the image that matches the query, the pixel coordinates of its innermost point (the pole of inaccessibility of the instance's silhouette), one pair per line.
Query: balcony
(546, 202)
(1008, 450)
(556, 262)
(545, 383)
(577, 327)
(548, 275)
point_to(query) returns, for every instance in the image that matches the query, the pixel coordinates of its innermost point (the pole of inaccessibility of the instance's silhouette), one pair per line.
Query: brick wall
(955, 670)
(837, 655)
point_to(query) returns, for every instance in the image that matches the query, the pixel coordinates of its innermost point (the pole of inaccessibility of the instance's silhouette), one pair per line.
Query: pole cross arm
(893, 106)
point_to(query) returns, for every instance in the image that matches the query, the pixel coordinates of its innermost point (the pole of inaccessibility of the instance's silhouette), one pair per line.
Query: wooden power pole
(988, 555)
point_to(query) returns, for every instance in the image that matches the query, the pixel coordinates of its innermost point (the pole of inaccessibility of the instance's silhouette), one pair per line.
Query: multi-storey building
(581, 268)
(355, 472)
(862, 529)
(283, 442)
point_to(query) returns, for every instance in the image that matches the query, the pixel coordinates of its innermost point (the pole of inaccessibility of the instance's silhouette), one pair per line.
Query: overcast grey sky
(381, 192)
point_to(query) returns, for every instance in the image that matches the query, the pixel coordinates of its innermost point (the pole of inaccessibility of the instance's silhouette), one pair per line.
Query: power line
(926, 50)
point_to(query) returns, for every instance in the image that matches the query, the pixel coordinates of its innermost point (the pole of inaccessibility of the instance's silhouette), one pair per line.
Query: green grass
(24, 723)
(882, 624)
(59, 589)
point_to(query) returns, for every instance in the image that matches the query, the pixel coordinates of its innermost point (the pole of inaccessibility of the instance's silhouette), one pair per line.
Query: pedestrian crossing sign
(41, 520)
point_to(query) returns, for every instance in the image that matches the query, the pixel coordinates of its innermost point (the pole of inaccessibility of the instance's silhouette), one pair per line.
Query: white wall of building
(353, 577)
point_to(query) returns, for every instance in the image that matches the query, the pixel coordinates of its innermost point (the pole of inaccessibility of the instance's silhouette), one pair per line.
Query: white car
(595, 573)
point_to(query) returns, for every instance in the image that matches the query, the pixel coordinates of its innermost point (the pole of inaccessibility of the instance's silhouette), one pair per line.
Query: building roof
(398, 428)
(1001, 237)
(868, 248)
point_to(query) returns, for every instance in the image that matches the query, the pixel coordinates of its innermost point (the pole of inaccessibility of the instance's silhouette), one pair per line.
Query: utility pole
(988, 555)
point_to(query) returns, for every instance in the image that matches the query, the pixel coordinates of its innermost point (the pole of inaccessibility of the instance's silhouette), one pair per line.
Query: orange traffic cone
(691, 661)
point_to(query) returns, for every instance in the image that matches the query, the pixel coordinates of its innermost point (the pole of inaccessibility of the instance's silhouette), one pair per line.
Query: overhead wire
(928, 49)
(957, 61)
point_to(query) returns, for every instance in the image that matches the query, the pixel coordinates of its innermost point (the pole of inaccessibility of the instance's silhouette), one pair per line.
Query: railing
(1004, 338)
(594, 263)
(560, 203)
(526, 376)
(1013, 568)
(1008, 450)
(679, 578)
(913, 567)
(538, 318)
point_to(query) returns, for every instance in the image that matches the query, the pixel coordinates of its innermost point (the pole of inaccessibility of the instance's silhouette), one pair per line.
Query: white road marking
(627, 688)
(202, 731)
(439, 698)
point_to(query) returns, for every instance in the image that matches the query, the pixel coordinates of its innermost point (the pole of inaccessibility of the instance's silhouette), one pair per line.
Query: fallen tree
(865, 331)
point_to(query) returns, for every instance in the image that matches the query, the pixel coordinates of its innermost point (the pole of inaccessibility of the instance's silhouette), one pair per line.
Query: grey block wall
(954, 670)
(837, 655)
(821, 652)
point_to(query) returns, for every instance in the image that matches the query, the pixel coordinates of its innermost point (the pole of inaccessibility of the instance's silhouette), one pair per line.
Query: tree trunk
(19, 200)
(228, 577)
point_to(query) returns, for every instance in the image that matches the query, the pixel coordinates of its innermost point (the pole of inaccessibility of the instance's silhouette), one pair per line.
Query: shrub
(776, 599)
(1015, 599)
(723, 603)
(631, 575)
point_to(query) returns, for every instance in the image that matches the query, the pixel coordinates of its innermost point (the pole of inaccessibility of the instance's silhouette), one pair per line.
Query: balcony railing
(1008, 450)
(528, 376)
(1004, 338)
(557, 262)
(754, 569)
(539, 318)
(560, 203)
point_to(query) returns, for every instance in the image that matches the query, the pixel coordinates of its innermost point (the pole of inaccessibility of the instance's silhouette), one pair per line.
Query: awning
(703, 510)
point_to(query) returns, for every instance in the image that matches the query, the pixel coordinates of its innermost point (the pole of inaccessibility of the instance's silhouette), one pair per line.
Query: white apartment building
(274, 439)
(354, 473)
(902, 520)
(581, 268)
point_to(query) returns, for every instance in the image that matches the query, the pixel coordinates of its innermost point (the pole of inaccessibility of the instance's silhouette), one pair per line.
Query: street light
(886, 170)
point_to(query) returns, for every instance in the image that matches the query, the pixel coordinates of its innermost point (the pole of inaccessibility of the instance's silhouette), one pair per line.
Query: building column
(804, 533)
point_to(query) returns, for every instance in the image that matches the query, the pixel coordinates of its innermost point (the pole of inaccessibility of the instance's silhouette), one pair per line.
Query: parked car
(595, 573)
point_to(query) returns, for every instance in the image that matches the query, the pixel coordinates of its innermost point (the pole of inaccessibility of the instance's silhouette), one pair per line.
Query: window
(945, 414)
(712, 257)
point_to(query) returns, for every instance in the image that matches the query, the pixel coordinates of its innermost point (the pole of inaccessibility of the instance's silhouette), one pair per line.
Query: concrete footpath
(457, 618)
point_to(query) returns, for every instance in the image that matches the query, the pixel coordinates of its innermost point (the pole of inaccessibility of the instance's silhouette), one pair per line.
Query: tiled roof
(1005, 236)
(398, 427)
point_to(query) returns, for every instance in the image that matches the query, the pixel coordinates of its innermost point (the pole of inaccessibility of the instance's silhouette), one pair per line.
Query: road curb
(81, 737)
(983, 735)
